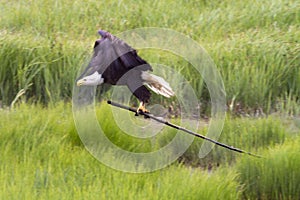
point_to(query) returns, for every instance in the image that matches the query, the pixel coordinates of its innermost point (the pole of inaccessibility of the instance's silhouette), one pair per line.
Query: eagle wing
(118, 63)
(112, 58)
(103, 55)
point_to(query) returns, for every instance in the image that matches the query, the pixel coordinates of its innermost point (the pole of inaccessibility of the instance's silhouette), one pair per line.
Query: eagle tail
(157, 84)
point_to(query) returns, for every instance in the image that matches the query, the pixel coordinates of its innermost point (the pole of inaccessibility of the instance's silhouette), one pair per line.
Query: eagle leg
(142, 109)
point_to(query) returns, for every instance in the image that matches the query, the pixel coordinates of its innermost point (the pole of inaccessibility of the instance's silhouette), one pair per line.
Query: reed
(275, 177)
(254, 45)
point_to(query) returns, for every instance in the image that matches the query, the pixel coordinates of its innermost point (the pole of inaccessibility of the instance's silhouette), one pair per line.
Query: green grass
(45, 73)
(276, 176)
(254, 45)
(42, 157)
(251, 135)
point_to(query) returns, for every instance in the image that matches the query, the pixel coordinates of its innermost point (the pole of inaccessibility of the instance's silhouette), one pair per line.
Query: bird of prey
(116, 63)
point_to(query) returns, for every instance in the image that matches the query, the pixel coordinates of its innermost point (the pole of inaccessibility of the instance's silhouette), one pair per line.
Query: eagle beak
(80, 82)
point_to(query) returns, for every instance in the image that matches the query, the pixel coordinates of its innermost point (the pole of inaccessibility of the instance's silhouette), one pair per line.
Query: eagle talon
(141, 109)
(141, 112)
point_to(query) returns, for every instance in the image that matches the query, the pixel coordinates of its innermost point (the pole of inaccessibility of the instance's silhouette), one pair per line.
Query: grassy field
(255, 45)
(42, 157)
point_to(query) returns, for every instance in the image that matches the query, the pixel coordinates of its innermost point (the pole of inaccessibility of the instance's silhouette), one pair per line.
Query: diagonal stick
(148, 115)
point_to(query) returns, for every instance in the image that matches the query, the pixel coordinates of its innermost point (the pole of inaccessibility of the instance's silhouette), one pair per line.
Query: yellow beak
(80, 82)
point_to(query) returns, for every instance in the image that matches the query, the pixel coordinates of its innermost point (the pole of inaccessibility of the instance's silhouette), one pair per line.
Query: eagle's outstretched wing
(113, 58)
(118, 64)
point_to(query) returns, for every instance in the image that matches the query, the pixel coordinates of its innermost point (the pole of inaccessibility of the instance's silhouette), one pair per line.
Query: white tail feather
(157, 84)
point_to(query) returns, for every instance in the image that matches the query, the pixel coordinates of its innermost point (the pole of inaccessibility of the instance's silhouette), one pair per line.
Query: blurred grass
(250, 135)
(43, 158)
(275, 177)
(46, 72)
(254, 45)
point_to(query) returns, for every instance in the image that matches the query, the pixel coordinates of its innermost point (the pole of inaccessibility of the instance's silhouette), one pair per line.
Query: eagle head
(92, 80)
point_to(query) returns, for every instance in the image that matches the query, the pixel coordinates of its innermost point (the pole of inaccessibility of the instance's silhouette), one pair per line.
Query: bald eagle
(116, 63)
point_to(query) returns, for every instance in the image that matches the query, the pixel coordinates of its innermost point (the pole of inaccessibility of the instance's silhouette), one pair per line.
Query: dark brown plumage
(116, 63)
